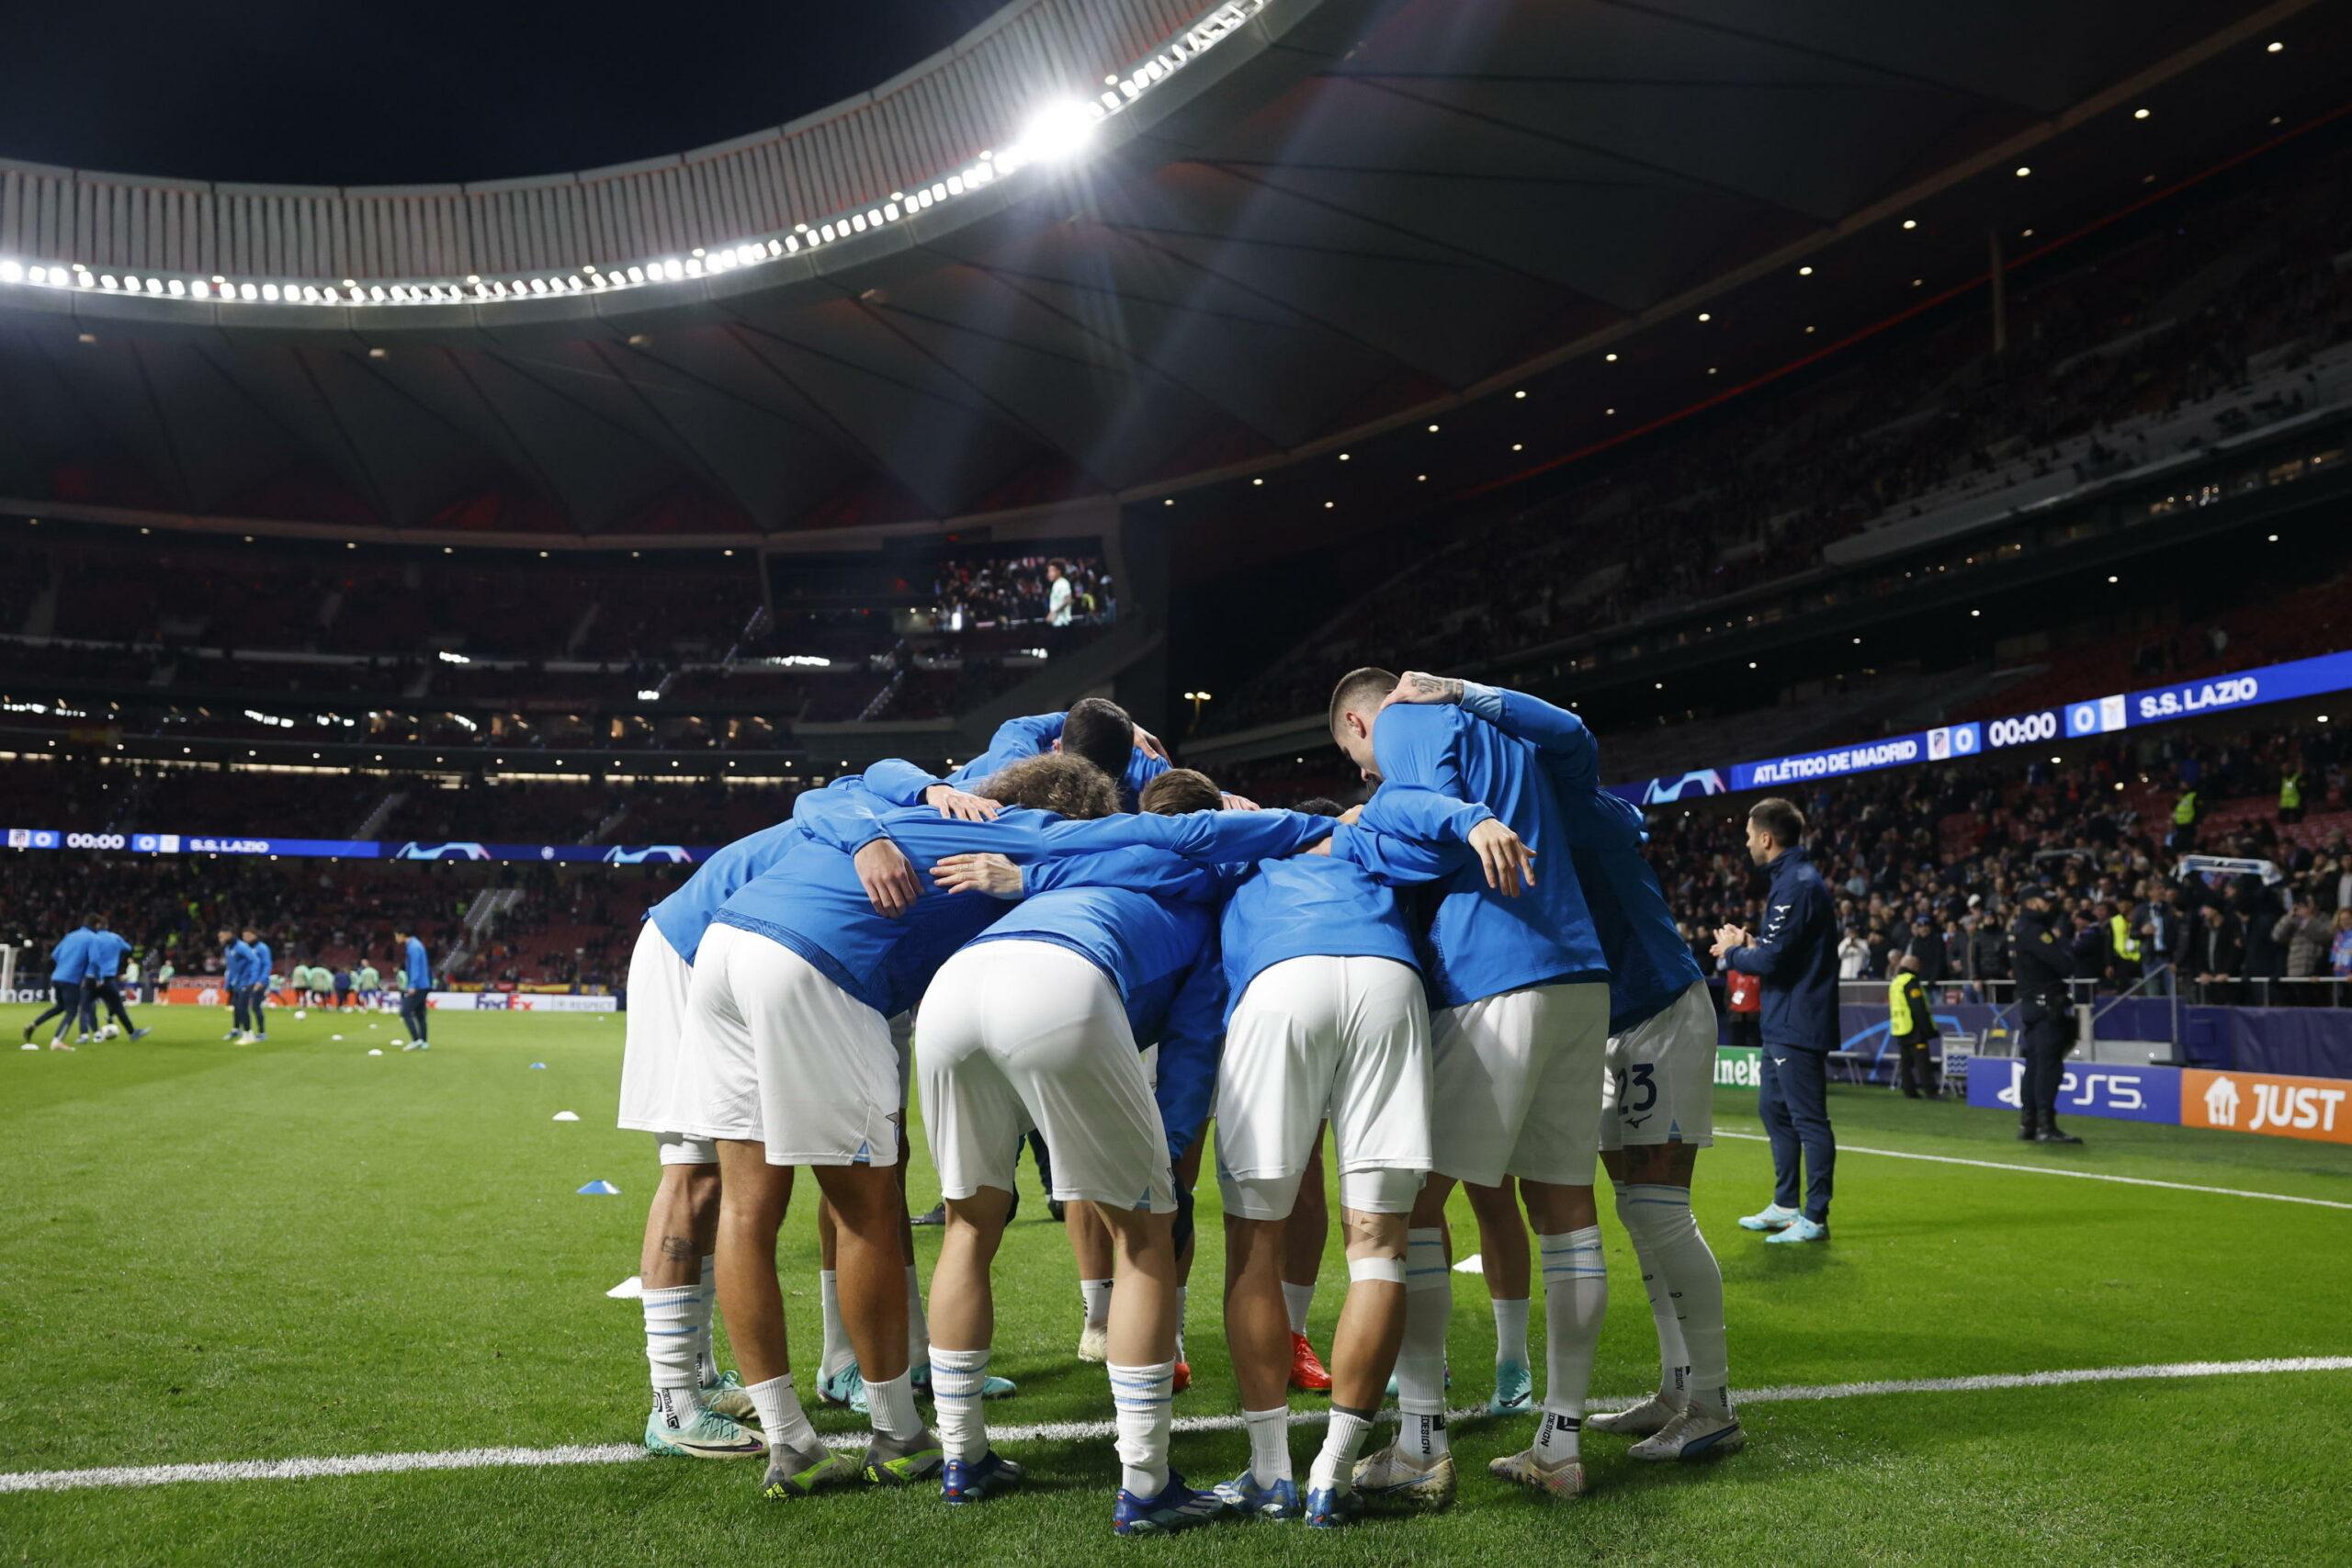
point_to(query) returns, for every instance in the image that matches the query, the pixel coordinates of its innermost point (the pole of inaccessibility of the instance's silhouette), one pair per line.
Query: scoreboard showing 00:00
(2022, 730)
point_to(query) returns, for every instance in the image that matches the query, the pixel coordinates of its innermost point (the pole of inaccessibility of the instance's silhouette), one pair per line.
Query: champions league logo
(1664, 792)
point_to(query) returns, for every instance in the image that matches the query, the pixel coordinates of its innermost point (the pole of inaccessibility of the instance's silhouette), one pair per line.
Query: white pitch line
(2054, 1170)
(1081, 1431)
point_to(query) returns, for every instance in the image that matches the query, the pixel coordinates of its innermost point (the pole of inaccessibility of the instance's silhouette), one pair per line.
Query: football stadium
(1648, 699)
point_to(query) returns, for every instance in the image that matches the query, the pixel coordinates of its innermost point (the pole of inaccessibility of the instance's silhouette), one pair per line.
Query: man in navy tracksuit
(1796, 962)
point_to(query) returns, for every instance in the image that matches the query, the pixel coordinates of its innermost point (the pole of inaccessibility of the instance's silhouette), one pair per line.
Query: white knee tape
(1380, 1192)
(1389, 1271)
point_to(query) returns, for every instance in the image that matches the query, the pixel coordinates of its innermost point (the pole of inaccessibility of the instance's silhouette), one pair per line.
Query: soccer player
(1519, 1034)
(417, 988)
(1328, 1019)
(1658, 1097)
(1036, 1022)
(370, 984)
(697, 1410)
(68, 962)
(103, 964)
(343, 989)
(259, 981)
(789, 1062)
(236, 969)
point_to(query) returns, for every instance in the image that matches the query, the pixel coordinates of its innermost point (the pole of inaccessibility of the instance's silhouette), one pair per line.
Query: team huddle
(1471, 978)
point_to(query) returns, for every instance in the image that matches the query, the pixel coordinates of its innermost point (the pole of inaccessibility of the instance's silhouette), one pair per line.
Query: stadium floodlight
(11, 270)
(1056, 133)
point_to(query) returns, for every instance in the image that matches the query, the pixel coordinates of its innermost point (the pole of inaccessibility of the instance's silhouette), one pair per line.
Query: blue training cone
(600, 1189)
(538, 1066)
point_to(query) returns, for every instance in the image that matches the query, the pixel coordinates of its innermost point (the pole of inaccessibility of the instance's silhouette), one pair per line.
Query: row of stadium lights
(1910, 225)
(1059, 131)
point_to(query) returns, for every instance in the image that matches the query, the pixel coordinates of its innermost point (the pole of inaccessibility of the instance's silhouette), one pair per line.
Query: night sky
(274, 92)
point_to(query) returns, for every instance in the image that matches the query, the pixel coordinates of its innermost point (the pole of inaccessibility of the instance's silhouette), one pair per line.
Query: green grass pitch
(295, 1249)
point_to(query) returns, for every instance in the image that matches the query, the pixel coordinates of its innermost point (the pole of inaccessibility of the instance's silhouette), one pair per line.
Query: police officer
(2043, 959)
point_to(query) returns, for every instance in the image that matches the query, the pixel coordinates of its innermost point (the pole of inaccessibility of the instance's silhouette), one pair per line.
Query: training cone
(538, 1066)
(375, 1053)
(599, 1189)
(29, 1045)
(334, 1037)
(566, 1116)
(300, 1014)
(628, 1290)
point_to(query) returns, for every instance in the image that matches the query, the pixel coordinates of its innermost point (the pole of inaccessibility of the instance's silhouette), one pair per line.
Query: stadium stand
(2161, 344)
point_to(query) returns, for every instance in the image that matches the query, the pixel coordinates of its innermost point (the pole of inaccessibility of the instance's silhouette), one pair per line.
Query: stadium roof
(1292, 226)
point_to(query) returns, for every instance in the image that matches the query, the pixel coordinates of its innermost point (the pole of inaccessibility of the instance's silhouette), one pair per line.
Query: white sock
(1142, 1395)
(1510, 1332)
(892, 1405)
(1182, 1293)
(1555, 1438)
(917, 1326)
(956, 1379)
(1269, 1443)
(1575, 1294)
(670, 1338)
(1096, 1294)
(1420, 1360)
(780, 1418)
(1667, 1238)
(838, 1354)
(1300, 1299)
(1334, 1466)
(1635, 1202)
(706, 1311)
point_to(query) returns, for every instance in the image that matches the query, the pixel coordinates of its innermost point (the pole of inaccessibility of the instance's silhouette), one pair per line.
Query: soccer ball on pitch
(107, 1031)
(300, 1014)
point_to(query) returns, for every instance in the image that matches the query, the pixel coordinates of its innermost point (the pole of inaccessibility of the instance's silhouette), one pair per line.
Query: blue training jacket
(1649, 964)
(1159, 950)
(1337, 906)
(237, 968)
(903, 784)
(685, 913)
(1795, 957)
(259, 974)
(70, 959)
(812, 902)
(1480, 943)
(416, 974)
(107, 951)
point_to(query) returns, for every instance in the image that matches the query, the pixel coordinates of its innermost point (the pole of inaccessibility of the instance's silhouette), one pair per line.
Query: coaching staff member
(2042, 958)
(1796, 959)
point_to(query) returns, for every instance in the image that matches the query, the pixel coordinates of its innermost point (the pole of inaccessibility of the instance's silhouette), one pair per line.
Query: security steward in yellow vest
(1910, 1029)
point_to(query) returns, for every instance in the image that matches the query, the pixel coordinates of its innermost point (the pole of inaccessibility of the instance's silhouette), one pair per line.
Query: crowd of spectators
(1050, 591)
(1755, 493)
(1926, 863)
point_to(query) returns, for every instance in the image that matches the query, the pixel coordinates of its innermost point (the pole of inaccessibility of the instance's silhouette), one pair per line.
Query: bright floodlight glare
(1059, 131)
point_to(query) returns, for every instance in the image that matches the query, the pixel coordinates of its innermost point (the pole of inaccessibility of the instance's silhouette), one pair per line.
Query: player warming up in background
(68, 962)
(417, 988)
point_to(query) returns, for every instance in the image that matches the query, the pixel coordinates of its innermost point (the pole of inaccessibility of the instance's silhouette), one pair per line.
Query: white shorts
(652, 1078)
(1019, 1034)
(1515, 1083)
(1346, 1038)
(776, 1054)
(1660, 1086)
